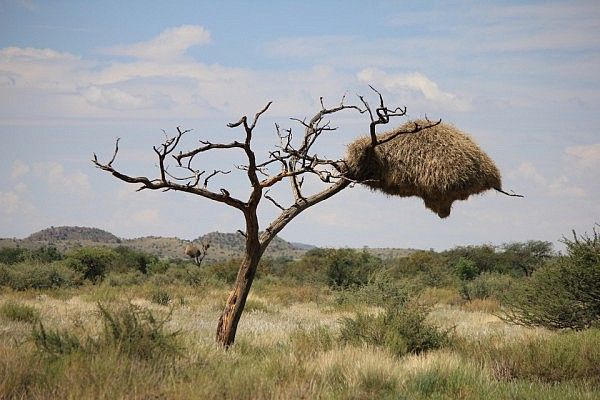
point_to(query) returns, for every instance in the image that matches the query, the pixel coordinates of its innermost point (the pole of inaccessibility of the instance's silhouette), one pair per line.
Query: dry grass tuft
(440, 164)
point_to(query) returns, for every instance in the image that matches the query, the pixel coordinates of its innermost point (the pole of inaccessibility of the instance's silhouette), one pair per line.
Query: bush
(45, 254)
(55, 342)
(225, 271)
(161, 297)
(93, 263)
(128, 278)
(400, 329)
(132, 259)
(130, 330)
(562, 357)
(12, 255)
(487, 285)
(427, 268)
(19, 312)
(524, 258)
(465, 269)
(564, 293)
(37, 276)
(138, 333)
(347, 267)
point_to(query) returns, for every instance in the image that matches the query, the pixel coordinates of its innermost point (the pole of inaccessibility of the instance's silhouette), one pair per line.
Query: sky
(522, 78)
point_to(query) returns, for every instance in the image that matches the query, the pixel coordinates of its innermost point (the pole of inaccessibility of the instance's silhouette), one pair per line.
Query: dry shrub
(490, 306)
(440, 164)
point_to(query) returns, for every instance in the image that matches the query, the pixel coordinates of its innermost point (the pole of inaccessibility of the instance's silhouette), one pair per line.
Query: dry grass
(284, 350)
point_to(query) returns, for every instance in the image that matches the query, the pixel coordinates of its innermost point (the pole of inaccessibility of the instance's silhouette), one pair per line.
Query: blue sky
(523, 78)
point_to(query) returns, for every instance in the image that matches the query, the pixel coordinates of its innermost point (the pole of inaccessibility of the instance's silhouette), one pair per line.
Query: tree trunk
(236, 301)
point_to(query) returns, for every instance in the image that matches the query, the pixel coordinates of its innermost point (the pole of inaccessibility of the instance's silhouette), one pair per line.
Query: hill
(223, 246)
(60, 233)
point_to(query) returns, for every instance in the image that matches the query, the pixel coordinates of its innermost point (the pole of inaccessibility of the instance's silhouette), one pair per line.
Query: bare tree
(294, 160)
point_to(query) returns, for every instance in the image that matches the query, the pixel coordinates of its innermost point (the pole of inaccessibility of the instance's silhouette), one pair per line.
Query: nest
(192, 251)
(439, 164)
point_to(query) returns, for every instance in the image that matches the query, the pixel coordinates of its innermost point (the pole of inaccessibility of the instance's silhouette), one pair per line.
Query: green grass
(19, 312)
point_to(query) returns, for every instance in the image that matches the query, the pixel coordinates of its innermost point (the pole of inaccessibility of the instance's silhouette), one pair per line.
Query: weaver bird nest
(440, 164)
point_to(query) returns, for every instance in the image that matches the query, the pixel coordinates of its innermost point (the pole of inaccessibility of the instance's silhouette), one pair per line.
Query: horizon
(314, 245)
(520, 77)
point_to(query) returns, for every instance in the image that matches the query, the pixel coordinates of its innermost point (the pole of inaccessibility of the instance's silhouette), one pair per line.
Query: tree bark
(228, 322)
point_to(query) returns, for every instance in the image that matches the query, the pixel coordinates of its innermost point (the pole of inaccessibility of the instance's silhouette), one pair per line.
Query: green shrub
(161, 297)
(562, 357)
(19, 312)
(465, 269)
(12, 255)
(400, 329)
(29, 275)
(55, 342)
(427, 268)
(138, 333)
(225, 271)
(128, 278)
(93, 263)
(381, 290)
(486, 285)
(45, 254)
(524, 258)
(348, 267)
(564, 293)
(309, 342)
(129, 259)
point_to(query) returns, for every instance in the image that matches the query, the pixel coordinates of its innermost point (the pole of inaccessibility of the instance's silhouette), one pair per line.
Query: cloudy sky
(523, 78)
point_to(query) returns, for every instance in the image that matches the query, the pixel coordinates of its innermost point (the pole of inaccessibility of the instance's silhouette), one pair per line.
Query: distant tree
(562, 293)
(466, 269)
(348, 267)
(526, 257)
(91, 262)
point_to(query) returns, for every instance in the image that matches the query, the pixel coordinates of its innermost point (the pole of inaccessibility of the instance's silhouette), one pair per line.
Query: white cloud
(415, 82)
(9, 202)
(112, 98)
(528, 171)
(561, 186)
(146, 216)
(12, 204)
(58, 180)
(171, 44)
(585, 156)
(19, 169)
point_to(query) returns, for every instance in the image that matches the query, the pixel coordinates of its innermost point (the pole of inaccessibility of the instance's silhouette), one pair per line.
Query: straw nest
(439, 164)
(192, 251)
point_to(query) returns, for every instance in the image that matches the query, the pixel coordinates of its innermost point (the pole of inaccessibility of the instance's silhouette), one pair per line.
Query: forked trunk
(236, 301)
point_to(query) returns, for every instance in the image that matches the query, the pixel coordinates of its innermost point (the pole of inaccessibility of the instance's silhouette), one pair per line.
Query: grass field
(103, 342)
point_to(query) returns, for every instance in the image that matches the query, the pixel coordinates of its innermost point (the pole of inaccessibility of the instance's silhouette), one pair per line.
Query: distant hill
(223, 246)
(53, 234)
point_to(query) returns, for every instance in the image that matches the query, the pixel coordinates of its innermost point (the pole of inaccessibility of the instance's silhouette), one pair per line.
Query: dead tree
(294, 160)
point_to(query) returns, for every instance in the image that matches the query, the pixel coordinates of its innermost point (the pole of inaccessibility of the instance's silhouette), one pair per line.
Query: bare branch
(215, 172)
(268, 197)
(258, 114)
(511, 194)
(417, 128)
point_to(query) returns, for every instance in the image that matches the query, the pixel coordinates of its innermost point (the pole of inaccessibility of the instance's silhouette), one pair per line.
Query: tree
(296, 161)
(563, 293)
(528, 256)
